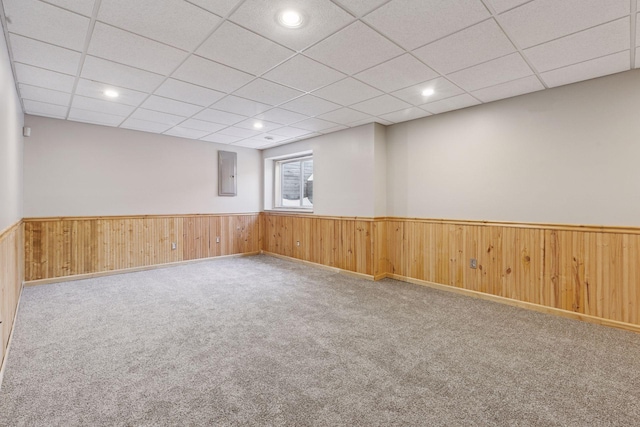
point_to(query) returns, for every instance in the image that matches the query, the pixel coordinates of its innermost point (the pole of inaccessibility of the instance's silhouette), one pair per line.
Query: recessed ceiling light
(290, 19)
(258, 125)
(111, 93)
(428, 92)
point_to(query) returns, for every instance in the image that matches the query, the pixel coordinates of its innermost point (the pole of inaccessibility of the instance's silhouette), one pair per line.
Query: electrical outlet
(298, 243)
(217, 240)
(174, 246)
(473, 263)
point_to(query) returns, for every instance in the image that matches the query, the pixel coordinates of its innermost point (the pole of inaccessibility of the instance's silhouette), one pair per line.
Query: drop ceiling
(211, 69)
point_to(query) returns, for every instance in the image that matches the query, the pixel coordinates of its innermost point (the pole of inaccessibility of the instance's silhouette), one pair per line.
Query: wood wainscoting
(581, 270)
(594, 271)
(348, 243)
(62, 247)
(584, 272)
(11, 278)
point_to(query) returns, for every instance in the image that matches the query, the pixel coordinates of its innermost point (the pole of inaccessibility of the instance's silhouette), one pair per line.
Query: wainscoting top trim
(542, 226)
(10, 229)
(310, 215)
(86, 218)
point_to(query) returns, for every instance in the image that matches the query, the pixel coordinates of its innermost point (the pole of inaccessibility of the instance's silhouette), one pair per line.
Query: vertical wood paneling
(584, 271)
(67, 247)
(346, 243)
(11, 278)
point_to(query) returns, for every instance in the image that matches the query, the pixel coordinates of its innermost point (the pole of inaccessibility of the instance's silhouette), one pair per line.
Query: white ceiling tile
(348, 91)
(414, 23)
(314, 124)
(599, 67)
(156, 116)
(183, 132)
(585, 45)
(83, 7)
(397, 73)
(405, 115)
(360, 7)
(44, 95)
(129, 49)
(321, 19)
(268, 92)
(507, 68)
(239, 132)
(503, 5)
(310, 105)
(93, 89)
(381, 105)
(334, 129)
(543, 20)
(289, 132)
(304, 74)
(44, 109)
(480, 43)
(120, 75)
(221, 139)
(242, 49)
(42, 21)
(101, 106)
(175, 22)
(43, 55)
(202, 125)
(354, 49)
(237, 105)
(221, 117)
(219, 7)
(145, 126)
(344, 116)
(44, 78)
(266, 125)
(252, 143)
(508, 90)
(284, 117)
(187, 92)
(211, 75)
(94, 117)
(453, 103)
(170, 106)
(442, 89)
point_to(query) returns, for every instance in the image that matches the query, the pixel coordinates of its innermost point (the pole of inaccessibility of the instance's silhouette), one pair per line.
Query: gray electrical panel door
(227, 170)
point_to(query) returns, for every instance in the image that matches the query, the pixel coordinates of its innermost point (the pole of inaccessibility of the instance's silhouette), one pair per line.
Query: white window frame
(277, 183)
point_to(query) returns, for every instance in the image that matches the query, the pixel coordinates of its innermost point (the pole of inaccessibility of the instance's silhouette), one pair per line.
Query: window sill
(291, 210)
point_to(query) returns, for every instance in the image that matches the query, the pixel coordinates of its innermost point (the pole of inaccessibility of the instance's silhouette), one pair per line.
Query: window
(294, 183)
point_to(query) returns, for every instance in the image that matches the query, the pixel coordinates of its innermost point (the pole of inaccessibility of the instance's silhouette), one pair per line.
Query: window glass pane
(307, 182)
(291, 184)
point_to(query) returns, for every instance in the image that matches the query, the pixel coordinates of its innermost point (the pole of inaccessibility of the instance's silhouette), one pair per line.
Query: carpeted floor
(263, 341)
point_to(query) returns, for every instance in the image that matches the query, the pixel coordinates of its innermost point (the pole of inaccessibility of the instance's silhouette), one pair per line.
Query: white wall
(380, 170)
(565, 155)
(343, 171)
(11, 122)
(77, 169)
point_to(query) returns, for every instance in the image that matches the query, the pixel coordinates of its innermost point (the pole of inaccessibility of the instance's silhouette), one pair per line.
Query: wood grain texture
(341, 242)
(63, 247)
(593, 273)
(11, 278)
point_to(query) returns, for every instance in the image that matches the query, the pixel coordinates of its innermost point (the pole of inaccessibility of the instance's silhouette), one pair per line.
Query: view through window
(295, 183)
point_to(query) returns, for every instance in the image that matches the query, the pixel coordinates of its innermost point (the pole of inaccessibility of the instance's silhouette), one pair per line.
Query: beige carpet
(262, 341)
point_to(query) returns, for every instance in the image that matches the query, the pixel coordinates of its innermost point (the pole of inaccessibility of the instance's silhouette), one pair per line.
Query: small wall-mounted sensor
(174, 246)
(26, 131)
